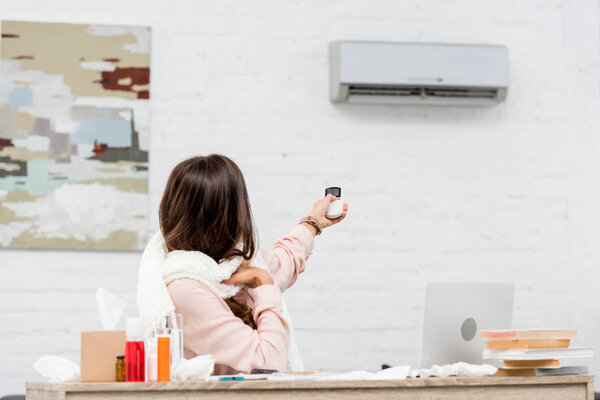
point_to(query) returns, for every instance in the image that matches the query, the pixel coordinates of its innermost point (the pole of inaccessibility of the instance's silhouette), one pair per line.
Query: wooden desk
(573, 387)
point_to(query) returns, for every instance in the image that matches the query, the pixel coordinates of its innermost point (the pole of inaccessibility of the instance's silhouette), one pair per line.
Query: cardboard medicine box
(99, 350)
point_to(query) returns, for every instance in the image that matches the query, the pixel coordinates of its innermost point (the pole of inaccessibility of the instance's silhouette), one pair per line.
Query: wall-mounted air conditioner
(418, 73)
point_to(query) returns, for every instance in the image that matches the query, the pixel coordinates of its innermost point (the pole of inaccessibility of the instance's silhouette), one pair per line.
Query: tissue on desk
(456, 369)
(58, 369)
(403, 372)
(195, 369)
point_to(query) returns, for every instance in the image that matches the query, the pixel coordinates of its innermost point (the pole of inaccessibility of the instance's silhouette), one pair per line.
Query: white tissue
(198, 368)
(456, 369)
(110, 309)
(465, 369)
(397, 373)
(58, 369)
(402, 372)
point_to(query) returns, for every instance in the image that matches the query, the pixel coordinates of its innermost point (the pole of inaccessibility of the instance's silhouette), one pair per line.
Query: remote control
(336, 208)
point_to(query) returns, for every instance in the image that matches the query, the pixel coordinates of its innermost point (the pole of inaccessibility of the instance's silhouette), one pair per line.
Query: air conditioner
(418, 73)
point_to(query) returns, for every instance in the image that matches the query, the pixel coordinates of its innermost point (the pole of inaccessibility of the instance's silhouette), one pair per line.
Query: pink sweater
(211, 328)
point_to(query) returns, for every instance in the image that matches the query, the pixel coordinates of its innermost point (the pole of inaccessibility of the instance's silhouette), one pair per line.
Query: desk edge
(266, 385)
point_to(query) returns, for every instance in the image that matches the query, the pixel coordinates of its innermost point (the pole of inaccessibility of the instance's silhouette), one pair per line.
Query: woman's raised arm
(288, 257)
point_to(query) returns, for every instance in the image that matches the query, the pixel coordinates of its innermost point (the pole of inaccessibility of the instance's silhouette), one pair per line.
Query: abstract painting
(74, 133)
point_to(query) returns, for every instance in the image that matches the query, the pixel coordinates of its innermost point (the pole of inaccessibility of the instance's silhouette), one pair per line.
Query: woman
(228, 292)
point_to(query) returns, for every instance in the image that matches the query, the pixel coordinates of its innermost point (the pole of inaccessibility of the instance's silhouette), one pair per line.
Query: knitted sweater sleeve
(211, 328)
(288, 257)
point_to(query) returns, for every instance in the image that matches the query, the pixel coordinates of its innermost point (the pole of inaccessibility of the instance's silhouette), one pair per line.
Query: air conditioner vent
(422, 92)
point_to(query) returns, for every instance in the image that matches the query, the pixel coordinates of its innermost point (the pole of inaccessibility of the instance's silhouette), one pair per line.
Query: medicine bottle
(120, 368)
(135, 356)
(163, 344)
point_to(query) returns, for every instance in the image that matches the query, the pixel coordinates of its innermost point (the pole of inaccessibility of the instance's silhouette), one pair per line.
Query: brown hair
(205, 208)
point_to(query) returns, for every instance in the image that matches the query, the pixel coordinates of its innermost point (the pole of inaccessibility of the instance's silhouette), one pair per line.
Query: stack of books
(534, 352)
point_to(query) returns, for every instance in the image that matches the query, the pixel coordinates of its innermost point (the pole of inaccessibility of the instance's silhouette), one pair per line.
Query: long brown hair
(205, 208)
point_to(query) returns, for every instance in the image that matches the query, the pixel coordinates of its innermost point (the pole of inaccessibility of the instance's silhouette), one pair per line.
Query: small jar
(120, 368)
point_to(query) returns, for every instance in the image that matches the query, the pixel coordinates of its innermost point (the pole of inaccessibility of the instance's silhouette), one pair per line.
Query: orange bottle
(164, 358)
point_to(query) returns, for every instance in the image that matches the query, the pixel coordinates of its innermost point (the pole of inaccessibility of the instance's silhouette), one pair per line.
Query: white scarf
(159, 267)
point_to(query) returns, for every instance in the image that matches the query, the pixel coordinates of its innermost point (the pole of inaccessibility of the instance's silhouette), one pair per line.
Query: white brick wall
(503, 193)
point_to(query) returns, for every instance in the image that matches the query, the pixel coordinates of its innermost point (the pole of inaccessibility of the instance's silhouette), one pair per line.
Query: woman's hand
(251, 277)
(320, 209)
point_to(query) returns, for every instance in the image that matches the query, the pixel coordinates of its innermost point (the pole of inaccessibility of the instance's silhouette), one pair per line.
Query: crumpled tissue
(198, 368)
(398, 373)
(58, 369)
(456, 369)
(110, 308)
(403, 372)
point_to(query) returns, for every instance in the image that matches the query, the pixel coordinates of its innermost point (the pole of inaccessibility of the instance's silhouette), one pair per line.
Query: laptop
(454, 312)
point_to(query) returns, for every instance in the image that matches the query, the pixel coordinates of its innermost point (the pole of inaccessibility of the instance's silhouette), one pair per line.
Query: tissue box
(99, 350)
